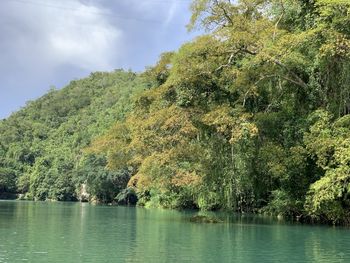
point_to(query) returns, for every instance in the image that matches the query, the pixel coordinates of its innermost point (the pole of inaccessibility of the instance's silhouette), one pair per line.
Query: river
(79, 232)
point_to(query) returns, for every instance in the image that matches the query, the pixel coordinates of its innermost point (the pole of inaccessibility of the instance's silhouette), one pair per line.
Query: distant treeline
(253, 116)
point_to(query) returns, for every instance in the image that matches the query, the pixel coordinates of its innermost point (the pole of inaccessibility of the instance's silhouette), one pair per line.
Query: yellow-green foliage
(231, 122)
(251, 115)
(330, 142)
(40, 145)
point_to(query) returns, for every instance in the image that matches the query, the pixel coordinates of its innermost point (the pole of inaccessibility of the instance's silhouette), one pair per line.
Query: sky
(48, 43)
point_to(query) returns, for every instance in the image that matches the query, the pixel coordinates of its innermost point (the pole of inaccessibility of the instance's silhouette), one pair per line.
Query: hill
(41, 144)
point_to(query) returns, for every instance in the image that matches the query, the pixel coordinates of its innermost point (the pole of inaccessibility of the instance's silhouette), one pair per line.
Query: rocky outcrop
(84, 196)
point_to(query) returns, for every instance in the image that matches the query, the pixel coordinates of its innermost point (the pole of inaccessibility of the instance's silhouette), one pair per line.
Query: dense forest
(41, 145)
(252, 116)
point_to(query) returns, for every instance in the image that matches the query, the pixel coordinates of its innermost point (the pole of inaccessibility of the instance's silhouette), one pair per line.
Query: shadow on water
(80, 232)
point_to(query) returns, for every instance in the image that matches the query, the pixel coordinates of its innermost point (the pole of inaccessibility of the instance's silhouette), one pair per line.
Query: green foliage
(158, 74)
(101, 183)
(126, 197)
(41, 145)
(253, 115)
(282, 204)
(233, 123)
(329, 142)
(7, 180)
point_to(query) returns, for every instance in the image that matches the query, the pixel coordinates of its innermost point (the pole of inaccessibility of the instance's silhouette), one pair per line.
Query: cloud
(50, 42)
(85, 39)
(52, 35)
(159, 11)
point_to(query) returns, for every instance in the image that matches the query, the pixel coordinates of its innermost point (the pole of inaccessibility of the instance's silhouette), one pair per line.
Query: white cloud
(50, 42)
(85, 39)
(70, 33)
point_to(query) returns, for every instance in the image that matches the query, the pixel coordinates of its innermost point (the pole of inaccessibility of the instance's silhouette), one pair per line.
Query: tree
(328, 141)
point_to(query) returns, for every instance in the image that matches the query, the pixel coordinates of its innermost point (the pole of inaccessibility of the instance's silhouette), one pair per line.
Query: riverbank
(8, 196)
(204, 216)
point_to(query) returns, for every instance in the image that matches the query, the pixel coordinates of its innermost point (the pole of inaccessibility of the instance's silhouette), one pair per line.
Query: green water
(74, 232)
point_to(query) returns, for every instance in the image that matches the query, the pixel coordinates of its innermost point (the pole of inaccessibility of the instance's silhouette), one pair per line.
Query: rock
(84, 196)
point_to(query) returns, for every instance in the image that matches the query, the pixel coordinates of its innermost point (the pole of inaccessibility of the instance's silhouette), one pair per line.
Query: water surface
(74, 232)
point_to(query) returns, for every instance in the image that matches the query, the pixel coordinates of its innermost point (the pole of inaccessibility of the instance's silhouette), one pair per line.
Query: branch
(256, 83)
(224, 12)
(298, 81)
(279, 20)
(280, 86)
(226, 65)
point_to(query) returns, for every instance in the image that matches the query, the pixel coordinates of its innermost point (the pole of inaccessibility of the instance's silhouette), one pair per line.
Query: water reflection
(75, 232)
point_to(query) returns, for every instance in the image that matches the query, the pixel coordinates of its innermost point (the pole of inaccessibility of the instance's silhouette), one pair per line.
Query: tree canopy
(252, 116)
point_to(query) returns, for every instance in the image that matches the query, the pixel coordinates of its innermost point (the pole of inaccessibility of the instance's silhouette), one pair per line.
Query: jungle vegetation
(252, 116)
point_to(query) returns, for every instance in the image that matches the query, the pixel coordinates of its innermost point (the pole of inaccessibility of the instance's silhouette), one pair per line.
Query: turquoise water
(73, 232)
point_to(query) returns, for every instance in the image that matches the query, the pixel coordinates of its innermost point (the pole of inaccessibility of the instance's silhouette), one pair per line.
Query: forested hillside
(41, 145)
(253, 116)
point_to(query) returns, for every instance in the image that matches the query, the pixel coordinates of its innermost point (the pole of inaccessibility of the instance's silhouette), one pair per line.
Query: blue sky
(47, 43)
